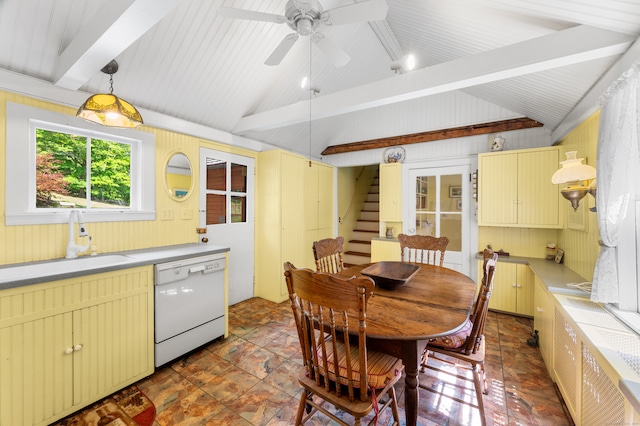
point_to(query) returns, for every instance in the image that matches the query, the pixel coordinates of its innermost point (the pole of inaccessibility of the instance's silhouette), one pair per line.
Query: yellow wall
(41, 242)
(580, 246)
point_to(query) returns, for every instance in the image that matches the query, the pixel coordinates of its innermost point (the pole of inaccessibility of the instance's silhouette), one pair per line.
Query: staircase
(367, 228)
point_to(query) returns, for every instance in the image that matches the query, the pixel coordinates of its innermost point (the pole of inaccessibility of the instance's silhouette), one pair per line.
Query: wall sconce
(405, 64)
(575, 174)
(107, 109)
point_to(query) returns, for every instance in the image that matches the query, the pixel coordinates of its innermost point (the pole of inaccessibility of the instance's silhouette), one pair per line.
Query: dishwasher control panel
(181, 269)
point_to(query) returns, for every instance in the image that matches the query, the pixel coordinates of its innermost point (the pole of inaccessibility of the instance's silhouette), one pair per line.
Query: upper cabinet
(515, 189)
(391, 192)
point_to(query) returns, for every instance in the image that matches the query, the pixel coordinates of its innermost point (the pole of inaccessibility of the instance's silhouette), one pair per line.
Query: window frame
(21, 158)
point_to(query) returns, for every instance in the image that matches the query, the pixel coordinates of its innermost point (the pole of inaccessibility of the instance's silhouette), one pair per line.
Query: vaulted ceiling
(185, 65)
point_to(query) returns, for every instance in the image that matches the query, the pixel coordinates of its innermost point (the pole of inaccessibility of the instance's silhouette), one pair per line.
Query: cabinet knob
(77, 347)
(68, 351)
(514, 285)
(539, 309)
(519, 286)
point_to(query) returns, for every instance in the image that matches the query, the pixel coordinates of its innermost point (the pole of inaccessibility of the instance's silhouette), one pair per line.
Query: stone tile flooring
(249, 378)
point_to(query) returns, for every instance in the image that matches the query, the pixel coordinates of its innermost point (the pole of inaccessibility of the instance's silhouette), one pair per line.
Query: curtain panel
(618, 154)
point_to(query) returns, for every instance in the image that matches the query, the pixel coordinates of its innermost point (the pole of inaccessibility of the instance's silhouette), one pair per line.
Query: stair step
(355, 259)
(367, 215)
(369, 225)
(361, 246)
(360, 241)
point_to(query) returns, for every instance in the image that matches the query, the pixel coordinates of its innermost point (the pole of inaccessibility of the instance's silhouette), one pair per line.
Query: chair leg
(394, 406)
(301, 407)
(478, 380)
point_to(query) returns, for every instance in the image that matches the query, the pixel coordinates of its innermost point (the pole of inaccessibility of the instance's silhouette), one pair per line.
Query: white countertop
(21, 274)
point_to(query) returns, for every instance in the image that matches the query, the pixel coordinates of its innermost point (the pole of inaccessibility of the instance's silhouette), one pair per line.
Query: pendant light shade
(107, 109)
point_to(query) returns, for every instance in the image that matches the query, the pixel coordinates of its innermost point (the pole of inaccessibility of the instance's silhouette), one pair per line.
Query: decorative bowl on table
(390, 275)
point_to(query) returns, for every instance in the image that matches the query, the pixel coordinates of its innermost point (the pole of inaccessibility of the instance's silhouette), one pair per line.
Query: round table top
(435, 302)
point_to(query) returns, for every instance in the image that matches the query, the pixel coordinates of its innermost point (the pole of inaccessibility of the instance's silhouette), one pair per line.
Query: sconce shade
(109, 110)
(573, 170)
(405, 64)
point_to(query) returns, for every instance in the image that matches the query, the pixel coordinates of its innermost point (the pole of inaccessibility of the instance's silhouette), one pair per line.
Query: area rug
(129, 407)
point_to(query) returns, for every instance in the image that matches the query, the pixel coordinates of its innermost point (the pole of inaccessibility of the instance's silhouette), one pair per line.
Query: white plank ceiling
(179, 59)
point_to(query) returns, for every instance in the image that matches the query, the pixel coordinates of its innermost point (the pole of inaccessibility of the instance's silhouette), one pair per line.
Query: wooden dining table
(435, 302)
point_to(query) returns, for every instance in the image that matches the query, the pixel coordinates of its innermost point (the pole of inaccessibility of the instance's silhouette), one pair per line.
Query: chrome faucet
(73, 249)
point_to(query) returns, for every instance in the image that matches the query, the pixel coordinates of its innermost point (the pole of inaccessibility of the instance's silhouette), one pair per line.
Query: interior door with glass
(441, 209)
(226, 211)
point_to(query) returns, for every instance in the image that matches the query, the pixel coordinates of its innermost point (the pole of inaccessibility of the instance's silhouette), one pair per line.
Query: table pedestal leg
(411, 355)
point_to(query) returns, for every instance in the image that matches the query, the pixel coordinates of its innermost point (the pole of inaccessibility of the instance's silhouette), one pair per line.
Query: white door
(439, 206)
(226, 210)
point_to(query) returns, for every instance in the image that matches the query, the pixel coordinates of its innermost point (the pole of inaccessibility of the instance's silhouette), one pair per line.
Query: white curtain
(618, 135)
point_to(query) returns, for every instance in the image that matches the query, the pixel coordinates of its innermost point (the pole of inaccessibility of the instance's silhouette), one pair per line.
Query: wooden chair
(422, 248)
(468, 344)
(328, 254)
(338, 368)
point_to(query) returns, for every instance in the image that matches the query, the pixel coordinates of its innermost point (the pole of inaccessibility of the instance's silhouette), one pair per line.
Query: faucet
(73, 249)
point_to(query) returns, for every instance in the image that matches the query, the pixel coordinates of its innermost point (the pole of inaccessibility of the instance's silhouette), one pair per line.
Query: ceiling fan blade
(371, 10)
(335, 54)
(281, 51)
(230, 12)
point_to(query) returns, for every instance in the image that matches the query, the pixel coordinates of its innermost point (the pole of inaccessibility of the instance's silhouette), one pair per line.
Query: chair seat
(472, 358)
(455, 340)
(382, 367)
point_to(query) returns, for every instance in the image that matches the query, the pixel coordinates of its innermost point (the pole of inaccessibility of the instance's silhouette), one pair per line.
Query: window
(56, 162)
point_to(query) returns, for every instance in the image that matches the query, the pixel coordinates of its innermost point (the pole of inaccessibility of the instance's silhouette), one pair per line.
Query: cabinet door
(503, 297)
(524, 293)
(36, 370)
(498, 191)
(543, 322)
(391, 192)
(292, 213)
(538, 201)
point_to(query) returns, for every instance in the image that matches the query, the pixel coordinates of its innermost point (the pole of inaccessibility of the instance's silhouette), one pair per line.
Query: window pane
(238, 209)
(216, 209)
(451, 192)
(425, 224)
(238, 178)
(61, 169)
(110, 174)
(216, 175)
(451, 227)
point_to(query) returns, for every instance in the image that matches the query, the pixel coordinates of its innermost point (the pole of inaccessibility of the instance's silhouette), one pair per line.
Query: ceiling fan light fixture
(107, 109)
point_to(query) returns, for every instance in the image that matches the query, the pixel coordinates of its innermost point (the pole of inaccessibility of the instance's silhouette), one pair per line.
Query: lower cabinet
(512, 288)
(543, 322)
(69, 343)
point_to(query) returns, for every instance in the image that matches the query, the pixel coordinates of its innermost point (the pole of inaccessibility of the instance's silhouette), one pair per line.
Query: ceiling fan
(305, 17)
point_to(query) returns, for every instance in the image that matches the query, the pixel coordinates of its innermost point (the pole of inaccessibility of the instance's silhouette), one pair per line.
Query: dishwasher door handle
(199, 268)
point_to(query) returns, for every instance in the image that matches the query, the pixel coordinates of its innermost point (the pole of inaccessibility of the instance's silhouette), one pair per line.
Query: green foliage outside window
(61, 176)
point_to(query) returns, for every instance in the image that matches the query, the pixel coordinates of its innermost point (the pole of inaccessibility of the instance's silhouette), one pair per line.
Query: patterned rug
(129, 407)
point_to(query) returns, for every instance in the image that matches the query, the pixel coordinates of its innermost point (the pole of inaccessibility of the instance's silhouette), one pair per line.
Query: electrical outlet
(187, 214)
(166, 214)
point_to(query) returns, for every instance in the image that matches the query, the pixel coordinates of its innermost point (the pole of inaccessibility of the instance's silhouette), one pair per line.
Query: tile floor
(249, 378)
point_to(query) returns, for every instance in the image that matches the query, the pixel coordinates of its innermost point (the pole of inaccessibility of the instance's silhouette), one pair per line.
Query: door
(438, 205)
(226, 211)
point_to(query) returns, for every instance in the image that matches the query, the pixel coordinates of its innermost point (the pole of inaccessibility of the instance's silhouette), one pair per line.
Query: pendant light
(108, 109)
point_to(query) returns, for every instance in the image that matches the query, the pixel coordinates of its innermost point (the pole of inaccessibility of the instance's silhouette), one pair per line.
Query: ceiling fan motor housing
(303, 16)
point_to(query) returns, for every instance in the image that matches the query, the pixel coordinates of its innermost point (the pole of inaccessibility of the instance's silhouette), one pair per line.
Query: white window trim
(20, 169)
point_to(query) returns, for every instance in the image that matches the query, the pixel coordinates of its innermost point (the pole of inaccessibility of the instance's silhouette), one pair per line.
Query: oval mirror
(178, 176)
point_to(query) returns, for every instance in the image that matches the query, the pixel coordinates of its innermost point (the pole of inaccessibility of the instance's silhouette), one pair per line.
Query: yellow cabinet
(391, 192)
(512, 289)
(287, 191)
(69, 343)
(543, 322)
(385, 250)
(515, 189)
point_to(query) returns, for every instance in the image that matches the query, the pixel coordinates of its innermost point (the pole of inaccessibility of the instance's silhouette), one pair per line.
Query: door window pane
(238, 209)
(216, 175)
(216, 209)
(238, 178)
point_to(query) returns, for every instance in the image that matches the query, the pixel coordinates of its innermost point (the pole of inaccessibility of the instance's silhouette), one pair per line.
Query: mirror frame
(166, 182)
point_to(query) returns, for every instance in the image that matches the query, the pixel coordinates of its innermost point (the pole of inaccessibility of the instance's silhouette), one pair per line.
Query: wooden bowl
(390, 275)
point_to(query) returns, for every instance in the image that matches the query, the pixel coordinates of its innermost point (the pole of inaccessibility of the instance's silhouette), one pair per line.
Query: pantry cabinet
(512, 288)
(515, 189)
(69, 343)
(288, 189)
(391, 192)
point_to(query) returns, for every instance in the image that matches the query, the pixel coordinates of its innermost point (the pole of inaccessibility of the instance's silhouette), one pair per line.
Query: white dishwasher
(189, 305)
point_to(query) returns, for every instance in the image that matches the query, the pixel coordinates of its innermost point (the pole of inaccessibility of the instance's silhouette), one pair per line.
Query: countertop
(552, 275)
(21, 274)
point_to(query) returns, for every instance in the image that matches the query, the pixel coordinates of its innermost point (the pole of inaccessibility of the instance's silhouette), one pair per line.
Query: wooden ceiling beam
(435, 135)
